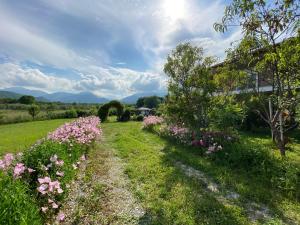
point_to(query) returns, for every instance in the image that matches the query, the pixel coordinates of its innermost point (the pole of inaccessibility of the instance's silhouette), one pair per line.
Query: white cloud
(153, 28)
(111, 82)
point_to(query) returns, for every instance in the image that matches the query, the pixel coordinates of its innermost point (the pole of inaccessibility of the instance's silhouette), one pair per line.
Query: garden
(222, 147)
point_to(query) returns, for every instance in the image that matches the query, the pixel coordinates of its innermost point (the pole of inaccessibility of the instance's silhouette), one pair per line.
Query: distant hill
(83, 97)
(25, 91)
(133, 98)
(8, 94)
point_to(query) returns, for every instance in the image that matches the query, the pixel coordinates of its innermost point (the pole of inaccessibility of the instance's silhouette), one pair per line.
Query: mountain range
(82, 97)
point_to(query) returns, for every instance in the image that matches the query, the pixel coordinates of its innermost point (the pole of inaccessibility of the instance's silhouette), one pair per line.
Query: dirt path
(101, 193)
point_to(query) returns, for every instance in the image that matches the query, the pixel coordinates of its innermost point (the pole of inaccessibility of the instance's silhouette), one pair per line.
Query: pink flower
(54, 205)
(59, 191)
(59, 163)
(19, 170)
(50, 201)
(61, 217)
(2, 164)
(42, 189)
(44, 209)
(61, 174)
(30, 170)
(53, 158)
(44, 180)
(8, 158)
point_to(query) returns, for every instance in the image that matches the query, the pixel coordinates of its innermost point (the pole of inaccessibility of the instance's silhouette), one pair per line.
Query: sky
(113, 48)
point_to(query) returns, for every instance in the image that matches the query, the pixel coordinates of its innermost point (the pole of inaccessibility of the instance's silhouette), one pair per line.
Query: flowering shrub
(180, 133)
(46, 169)
(83, 130)
(150, 121)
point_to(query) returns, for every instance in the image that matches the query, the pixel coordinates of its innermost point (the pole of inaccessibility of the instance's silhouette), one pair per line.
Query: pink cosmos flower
(42, 189)
(44, 209)
(50, 201)
(30, 170)
(19, 170)
(61, 217)
(59, 162)
(44, 180)
(54, 205)
(8, 158)
(2, 164)
(61, 174)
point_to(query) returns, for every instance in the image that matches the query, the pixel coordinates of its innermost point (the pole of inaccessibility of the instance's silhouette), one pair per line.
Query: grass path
(19, 136)
(100, 194)
(173, 185)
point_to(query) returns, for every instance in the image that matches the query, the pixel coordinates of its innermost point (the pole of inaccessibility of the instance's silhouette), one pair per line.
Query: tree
(27, 99)
(264, 25)
(33, 110)
(149, 101)
(190, 86)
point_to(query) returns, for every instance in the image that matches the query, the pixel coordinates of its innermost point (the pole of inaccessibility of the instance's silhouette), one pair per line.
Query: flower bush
(150, 122)
(45, 170)
(84, 130)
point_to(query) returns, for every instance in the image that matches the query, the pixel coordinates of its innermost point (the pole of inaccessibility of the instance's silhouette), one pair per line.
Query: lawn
(17, 137)
(250, 168)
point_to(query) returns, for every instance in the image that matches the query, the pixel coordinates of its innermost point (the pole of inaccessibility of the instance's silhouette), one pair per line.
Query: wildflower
(54, 205)
(44, 180)
(74, 166)
(2, 164)
(61, 174)
(19, 170)
(44, 209)
(59, 162)
(8, 158)
(53, 158)
(30, 170)
(50, 201)
(61, 217)
(42, 189)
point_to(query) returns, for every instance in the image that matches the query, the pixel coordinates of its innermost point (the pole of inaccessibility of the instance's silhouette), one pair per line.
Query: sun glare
(174, 9)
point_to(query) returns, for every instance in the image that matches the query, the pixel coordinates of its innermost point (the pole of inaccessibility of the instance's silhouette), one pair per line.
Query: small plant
(33, 110)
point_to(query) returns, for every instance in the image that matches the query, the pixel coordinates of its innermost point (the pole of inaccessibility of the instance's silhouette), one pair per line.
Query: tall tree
(265, 24)
(190, 86)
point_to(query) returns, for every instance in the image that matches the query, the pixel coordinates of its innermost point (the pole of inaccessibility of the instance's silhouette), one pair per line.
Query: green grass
(17, 137)
(250, 168)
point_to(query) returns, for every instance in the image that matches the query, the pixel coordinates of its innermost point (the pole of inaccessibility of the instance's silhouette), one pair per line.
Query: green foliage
(17, 206)
(104, 110)
(27, 100)
(72, 113)
(125, 116)
(33, 110)
(149, 102)
(247, 167)
(190, 86)
(226, 113)
(263, 25)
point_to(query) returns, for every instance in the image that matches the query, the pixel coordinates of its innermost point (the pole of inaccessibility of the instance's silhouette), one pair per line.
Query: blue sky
(112, 48)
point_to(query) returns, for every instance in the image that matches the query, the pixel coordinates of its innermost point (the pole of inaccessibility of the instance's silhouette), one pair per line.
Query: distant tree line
(149, 102)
